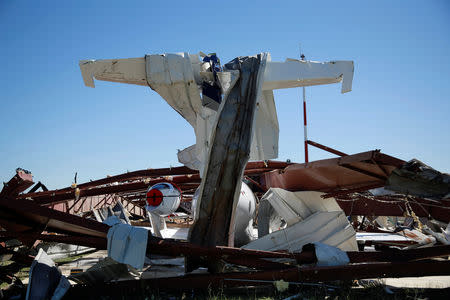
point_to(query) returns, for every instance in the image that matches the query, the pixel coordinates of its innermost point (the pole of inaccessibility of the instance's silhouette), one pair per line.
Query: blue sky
(55, 126)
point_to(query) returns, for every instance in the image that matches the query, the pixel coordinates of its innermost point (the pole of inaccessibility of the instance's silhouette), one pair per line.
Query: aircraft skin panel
(127, 70)
(297, 73)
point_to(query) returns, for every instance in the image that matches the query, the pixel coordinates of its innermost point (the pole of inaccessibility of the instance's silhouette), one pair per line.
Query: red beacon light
(163, 198)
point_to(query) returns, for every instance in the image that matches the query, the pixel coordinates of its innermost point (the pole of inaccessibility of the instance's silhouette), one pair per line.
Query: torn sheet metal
(295, 208)
(172, 76)
(127, 244)
(117, 210)
(353, 171)
(417, 179)
(443, 238)
(386, 238)
(105, 270)
(266, 130)
(245, 213)
(330, 256)
(221, 184)
(331, 228)
(62, 250)
(420, 238)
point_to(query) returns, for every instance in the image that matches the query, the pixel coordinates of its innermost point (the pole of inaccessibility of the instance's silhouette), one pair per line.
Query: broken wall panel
(331, 228)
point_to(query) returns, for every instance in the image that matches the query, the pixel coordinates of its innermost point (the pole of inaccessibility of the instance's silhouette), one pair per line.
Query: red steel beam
(292, 275)
(58, 196)
(262, 188)
(325, 148)
(252, 167)
(176, 248)
(53, 197)
(20, 182)
(365, 172)
(88, 241)
(157, 245)
(375, 270)
(269, 164)
(364, 206)
(393, 254)
(31, 212)
(139, 174)
(354, 190)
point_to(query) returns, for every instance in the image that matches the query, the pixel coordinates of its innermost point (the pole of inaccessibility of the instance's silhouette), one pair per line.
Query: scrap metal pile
(235, 222)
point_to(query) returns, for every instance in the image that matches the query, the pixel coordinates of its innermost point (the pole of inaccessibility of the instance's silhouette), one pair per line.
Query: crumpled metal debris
(417, 179)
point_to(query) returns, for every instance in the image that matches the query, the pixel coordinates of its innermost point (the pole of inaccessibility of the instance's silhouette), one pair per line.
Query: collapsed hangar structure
(355, 216)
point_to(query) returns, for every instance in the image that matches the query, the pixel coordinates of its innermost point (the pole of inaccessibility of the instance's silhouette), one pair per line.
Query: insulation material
(229, 153)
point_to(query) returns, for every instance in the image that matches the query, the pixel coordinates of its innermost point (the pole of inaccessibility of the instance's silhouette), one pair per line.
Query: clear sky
(54, 126)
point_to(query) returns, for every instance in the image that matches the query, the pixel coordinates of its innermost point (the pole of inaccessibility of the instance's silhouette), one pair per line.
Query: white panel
(296, 206)
(297, 73)
(129, 70)
(172, 77)
(331, 228)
